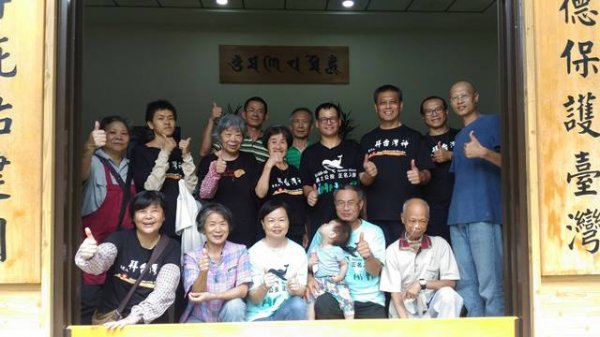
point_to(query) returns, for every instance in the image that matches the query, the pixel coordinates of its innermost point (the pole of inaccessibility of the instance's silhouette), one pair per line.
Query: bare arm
(257, 294)
(262, 187)
(438, 284)
(206, 141)
(398, 303)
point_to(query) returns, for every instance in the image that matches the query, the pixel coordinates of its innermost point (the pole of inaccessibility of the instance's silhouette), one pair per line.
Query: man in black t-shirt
(400, 159)
(439, 141)
(330, 164)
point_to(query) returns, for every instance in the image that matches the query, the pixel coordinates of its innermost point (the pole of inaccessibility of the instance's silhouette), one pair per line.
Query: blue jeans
(477, 247)
(292, 309)
(232, 311)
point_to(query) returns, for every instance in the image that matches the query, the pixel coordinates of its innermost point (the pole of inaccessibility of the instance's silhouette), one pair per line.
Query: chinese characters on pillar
(281, 64)
(8, 70)
(581, 59)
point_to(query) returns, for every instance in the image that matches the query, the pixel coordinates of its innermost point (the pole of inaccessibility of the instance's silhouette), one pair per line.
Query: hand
(370, 167)
(184, 145)
(312, 286)
(363, 247)
(97, 138)
(338, 278)
(129, 320)
(216, 112)
(313, 196)
(412, 291)
(269, 280)
(204, 262)
(441, 155)
(274, 158)
(89, 246)
(413, 175)
(221, 165)
(293, 285)
(198, 298)
(313, 260)
(166, 143)
(473, 148)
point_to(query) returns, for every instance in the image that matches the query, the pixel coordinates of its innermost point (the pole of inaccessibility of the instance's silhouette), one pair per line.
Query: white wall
(128, 62)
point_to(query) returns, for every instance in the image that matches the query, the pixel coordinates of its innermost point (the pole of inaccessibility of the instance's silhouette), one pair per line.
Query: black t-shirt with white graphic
(130, 261)
(392, 151)
(329, 169)
(439, 189)
(236, 191)
(286, 186)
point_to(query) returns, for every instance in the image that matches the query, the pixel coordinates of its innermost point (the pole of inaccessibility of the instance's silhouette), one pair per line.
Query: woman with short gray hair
(229, 176)
(216, 276)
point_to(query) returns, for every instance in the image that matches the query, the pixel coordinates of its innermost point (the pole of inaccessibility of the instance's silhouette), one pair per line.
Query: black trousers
(327, 307)
(90, 296)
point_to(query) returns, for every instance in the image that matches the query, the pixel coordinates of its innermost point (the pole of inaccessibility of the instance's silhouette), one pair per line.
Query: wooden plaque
(283, 64)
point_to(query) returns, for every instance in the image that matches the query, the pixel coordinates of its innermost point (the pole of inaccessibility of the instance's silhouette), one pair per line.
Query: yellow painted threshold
(464, 327)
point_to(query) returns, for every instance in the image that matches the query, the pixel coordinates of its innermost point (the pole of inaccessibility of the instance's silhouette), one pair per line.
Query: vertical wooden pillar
(26, 159)
(562, 77)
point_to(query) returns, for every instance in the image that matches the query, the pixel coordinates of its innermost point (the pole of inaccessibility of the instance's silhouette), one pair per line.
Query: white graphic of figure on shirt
(334, 164)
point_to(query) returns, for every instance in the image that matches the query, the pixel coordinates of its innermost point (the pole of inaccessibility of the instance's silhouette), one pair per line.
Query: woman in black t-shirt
(281, 181)
(229, 176)
(124, 256)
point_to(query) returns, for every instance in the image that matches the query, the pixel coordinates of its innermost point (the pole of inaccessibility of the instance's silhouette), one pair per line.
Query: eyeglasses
(344, 203)
(460, 97)
(328, 120)
(437, 110)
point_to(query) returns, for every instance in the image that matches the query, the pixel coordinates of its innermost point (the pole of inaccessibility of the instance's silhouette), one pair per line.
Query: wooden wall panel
(21, 81)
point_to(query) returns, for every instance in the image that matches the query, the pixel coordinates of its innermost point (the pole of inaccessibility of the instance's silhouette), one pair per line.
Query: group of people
(293, 230)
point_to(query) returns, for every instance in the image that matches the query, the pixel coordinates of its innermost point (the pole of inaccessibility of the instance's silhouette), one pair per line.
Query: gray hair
(307, 110)
(348, 187)
(411, 200)
(210, 208)
(229, 121)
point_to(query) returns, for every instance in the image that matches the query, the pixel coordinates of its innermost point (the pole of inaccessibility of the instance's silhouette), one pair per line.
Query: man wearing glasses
(439, 141)
(329, 164)
(254, 114)
(401, 161)
(475, 215)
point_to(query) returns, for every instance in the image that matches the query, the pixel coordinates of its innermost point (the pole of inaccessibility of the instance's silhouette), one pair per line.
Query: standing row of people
(231, 174)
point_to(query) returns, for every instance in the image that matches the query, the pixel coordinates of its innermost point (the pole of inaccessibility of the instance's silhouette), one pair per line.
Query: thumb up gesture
(362, 247)
(89, 246)
(413, 174)
(221, 165)
(369, 166)
(473, 148)
(97, 138)
(204, 261)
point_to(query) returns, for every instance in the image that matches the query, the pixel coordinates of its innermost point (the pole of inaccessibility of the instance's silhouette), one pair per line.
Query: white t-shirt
(285, 263)
(404, 266)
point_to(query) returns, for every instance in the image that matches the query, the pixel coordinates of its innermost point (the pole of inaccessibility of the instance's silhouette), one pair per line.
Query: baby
(329, 267)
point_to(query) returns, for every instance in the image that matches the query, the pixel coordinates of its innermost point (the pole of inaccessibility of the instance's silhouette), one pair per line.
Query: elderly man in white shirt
(420, 271)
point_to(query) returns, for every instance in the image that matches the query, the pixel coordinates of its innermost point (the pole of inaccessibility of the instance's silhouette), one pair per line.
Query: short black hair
(144, 199)
(444, 103)
(106, 121)
(256, 99)
(327, 106)
(384, 88)
(157, 105)
(269, 206)
(278, 130)
(307, 110)
(210, 208)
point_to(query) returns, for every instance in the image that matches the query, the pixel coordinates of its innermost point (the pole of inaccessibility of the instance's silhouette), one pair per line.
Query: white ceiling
(369, 6)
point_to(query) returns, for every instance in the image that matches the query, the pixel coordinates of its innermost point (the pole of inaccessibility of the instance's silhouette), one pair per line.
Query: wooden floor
(464, 327)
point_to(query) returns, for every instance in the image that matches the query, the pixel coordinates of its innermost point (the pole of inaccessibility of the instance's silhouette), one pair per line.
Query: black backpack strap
(163, 242)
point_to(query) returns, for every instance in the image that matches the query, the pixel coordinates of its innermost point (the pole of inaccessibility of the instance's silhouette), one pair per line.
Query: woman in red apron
(107, 188)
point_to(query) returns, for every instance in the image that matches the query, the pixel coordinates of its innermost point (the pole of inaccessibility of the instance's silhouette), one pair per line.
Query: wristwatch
(423, 284)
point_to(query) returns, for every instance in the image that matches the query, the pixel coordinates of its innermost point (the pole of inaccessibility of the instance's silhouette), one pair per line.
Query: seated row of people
(348, 271)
